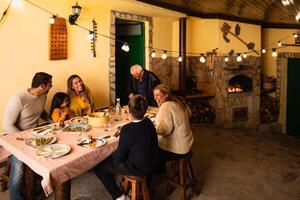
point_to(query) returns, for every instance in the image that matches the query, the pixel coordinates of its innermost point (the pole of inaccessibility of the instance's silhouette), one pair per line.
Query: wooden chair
(4, 177)
(136, 183)
(180, 174)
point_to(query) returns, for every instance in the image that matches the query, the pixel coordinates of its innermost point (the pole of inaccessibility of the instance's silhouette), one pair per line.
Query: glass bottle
(118, 109)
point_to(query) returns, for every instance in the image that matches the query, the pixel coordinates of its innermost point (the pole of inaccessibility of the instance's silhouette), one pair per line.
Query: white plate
(79, 120)
(76, 127)
(54, 150)
(32, 141)
(98, 142)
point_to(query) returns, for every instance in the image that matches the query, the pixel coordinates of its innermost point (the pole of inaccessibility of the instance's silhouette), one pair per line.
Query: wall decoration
(94, 39)
(58, 40)
(226, 29)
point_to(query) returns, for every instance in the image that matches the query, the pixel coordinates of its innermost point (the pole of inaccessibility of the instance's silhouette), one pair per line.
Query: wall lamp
(75, 13)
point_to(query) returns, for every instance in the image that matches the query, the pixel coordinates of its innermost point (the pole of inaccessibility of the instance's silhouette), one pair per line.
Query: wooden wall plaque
(58, 40)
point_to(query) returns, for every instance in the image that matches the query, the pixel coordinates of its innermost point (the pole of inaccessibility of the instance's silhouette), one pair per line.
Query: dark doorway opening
(133, 33)
(293, 97)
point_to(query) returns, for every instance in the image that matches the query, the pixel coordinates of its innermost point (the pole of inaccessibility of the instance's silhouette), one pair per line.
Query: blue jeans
(15, 181)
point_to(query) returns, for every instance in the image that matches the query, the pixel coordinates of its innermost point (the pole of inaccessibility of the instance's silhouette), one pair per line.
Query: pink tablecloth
(59, 170)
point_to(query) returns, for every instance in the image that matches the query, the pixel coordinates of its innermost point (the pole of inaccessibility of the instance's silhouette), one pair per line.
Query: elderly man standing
(22, 112)
(142, 82)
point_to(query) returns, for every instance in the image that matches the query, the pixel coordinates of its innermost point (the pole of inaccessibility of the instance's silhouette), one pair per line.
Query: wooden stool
(136, 183)
(4, 176)
(181, 174)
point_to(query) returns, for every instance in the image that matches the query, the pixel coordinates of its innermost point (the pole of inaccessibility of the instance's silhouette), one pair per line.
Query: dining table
(56, 173)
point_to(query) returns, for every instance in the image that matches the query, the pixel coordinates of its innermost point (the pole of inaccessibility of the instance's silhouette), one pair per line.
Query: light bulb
(179, 59)
(90, 36)
(298, 16)
(239, 58)
(245, 55)
(202, 58)
(127, 48)
(164, 55)
(295, 35)
(16, 4)
(153, 54)
(52, 20)
(274, 53)
(226, 59)
(279, 44)
(263, 50)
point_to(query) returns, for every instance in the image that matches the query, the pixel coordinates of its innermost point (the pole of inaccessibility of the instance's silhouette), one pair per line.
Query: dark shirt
(138, 146)
(150, 80)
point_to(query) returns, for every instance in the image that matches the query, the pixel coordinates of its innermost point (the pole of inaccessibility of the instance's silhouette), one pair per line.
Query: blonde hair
(166, 91)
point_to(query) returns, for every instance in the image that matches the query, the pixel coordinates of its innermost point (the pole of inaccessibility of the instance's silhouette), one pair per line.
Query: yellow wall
(270, 38)
(203, 35)
(24, 36)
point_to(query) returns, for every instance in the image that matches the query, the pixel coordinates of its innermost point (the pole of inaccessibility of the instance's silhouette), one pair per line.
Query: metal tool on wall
(94, 39)
(226, 29)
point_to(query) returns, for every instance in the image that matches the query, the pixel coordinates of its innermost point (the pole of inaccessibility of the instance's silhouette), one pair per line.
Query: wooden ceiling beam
(195, 13)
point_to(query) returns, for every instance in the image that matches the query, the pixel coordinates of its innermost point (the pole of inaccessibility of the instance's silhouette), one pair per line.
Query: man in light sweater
(22, 112)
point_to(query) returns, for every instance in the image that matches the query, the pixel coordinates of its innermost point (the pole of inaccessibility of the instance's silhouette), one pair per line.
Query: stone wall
(225, 103)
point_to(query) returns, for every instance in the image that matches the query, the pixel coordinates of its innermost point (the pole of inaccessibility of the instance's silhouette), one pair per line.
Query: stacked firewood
(269, 109)
(202, 112)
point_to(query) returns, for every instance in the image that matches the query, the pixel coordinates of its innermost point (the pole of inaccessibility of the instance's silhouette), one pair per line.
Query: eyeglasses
(138, 75)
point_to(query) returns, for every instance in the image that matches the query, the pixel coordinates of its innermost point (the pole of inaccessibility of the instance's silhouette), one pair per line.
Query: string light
(274, 53)
(279, 44)
(52, 19)
(245, 55)
(153, 54)
(239, 58)
(202, 58)
(179, 59)
(295, 35)
(16, 4)
(125, 46)
(226, 58)
(298, 16)
(164, 55)
(90, 36)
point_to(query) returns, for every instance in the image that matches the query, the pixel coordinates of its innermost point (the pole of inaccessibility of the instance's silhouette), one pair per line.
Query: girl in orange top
(60, 110)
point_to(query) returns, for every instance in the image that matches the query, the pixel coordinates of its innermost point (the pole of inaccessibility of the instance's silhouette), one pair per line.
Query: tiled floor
(230, 164)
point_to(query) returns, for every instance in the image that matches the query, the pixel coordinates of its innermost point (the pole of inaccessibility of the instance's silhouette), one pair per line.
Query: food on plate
(91, 142)
(76, 127)
(43, 141)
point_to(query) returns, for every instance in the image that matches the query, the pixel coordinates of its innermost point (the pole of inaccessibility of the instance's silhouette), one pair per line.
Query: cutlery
(83, 142)
(117, 133)
(105, 137)
(40, 128)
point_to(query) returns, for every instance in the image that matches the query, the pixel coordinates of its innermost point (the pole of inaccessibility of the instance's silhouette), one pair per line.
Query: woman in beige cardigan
(172, 125)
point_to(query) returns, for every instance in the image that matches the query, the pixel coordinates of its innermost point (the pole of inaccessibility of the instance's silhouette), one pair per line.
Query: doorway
(293, 97)
(133, 33)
